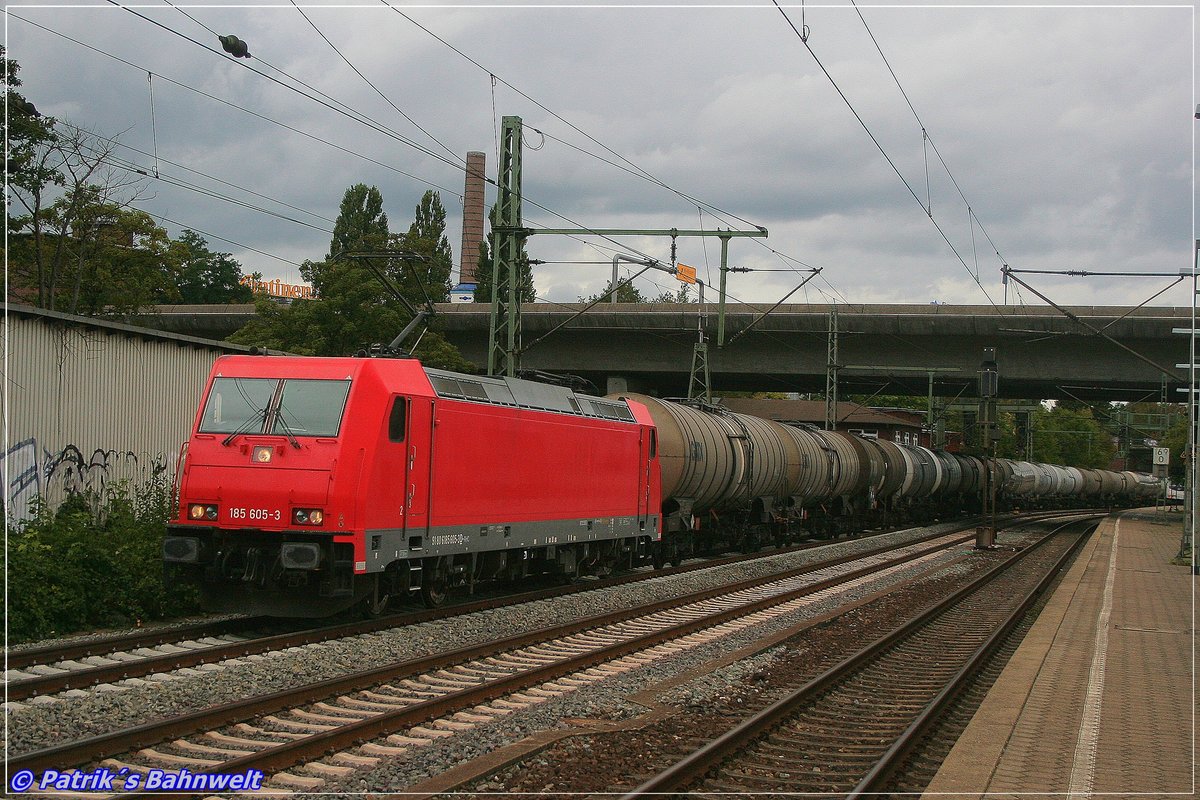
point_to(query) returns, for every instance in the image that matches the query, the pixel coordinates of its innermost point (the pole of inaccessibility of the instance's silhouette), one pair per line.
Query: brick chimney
(472, 229)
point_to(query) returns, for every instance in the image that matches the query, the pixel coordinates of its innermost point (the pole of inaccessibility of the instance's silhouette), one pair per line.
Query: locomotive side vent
(446, 387)
(526, 394)
(611, 410)
(473, 390)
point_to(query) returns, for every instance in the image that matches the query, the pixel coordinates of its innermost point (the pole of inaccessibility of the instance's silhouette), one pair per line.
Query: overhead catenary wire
(699, 204)
(353, 114)
(377, 90)
(171, 181)
(132, 166)
(924, 131)
(313, 94)
(346, 111)
(884, 153)
(632, 167)
(637, 169)
(210, 235)
(371, 124)
(237, 107)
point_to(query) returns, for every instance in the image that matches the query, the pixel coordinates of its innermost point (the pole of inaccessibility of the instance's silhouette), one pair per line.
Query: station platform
(1100, 696)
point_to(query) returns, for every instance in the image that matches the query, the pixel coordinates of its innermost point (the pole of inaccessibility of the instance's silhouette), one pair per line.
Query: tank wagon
(309, 485)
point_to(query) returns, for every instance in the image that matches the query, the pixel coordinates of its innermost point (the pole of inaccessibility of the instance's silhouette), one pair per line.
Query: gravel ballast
(53, 720)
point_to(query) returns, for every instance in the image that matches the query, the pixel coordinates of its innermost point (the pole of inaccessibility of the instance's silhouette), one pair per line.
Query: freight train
(309, 485)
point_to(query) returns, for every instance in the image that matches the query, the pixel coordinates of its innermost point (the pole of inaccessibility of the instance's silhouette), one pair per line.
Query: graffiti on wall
(53, 475)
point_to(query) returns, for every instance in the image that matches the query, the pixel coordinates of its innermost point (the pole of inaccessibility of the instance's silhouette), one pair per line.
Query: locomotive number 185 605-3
(253, 514)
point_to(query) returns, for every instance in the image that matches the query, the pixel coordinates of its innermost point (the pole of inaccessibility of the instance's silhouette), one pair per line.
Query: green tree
(483, 271)
(208, 277)
(426, 238)
(362, 224)
(75, 244)
(626, 293)
(1070, 437)
(681, 296)
(94, 257)
(27, 135)
(889, 401)
(353, 309)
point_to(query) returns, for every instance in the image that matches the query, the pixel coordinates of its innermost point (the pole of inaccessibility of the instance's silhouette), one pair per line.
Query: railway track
(407, 705)
(846, 731)
(48, 670)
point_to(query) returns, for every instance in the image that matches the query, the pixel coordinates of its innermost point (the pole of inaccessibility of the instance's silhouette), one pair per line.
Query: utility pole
(831, 372)
(989, 385)
(700, 379)
(504, 325)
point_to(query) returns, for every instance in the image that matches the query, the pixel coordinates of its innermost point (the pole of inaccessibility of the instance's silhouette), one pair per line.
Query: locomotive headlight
(308, 516)
(261, 454)
(199, 511)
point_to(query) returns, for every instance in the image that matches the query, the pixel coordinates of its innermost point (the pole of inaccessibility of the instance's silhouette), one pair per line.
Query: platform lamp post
(989, 429)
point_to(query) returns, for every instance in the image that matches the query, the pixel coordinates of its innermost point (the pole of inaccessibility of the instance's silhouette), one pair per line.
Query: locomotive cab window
(277, 406)
(311, 408)
(237, 404)
(653, 443)
(397, 419)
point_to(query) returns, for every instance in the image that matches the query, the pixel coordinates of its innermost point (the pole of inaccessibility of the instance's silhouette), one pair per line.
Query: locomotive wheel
(435, 587)
(377, 601)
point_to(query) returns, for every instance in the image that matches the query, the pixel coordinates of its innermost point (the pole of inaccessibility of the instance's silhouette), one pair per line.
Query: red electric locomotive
(312, 484)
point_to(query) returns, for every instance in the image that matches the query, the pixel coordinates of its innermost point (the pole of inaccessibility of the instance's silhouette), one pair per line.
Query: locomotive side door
(417, 466)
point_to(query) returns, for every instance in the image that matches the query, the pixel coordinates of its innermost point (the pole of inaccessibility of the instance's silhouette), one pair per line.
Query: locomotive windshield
(311, 408)
(237, 404)
(269, 405)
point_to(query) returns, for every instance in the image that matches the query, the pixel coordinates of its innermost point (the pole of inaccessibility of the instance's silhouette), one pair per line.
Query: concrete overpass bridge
(891, 349)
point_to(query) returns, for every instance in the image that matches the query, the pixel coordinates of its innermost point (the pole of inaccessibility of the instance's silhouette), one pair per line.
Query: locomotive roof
(520, 393)
(407, 375)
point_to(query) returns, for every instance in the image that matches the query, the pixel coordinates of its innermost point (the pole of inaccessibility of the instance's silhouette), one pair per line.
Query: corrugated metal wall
(90, 402)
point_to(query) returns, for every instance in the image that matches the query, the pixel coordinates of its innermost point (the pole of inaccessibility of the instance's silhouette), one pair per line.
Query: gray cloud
(1068, 129)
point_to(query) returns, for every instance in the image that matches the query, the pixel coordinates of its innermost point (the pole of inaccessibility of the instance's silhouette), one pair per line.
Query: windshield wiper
(244, 427)
(287, 429)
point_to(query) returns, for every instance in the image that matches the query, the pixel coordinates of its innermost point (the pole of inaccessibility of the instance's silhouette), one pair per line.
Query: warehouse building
(88, 402)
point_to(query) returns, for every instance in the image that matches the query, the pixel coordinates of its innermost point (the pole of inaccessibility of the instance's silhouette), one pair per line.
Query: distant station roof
(813, 412)
(112, 326)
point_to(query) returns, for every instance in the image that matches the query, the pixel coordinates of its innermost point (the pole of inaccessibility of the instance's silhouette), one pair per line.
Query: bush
(95, 561)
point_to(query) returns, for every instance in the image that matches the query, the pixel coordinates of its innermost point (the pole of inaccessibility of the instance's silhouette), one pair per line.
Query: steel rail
(22, 689)
(75, 753)
(693, 767)
(31, 656)
(300, 750)
(77, 678)
(891, 760)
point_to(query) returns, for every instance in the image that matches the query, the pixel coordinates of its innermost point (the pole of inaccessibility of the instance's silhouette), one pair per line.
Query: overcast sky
(1069, 130)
